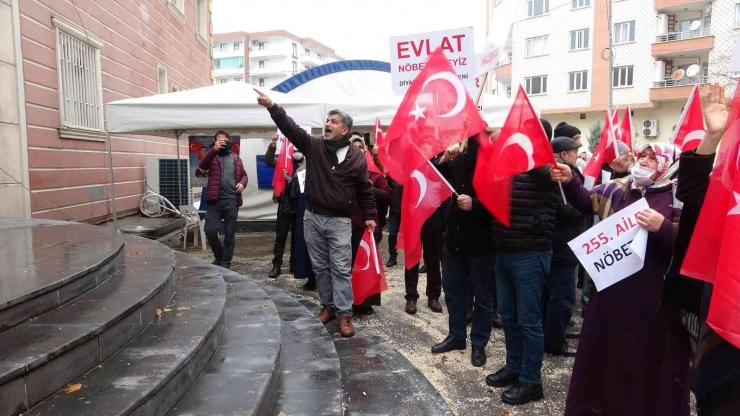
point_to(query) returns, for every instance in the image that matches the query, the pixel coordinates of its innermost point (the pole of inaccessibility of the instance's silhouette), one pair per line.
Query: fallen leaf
(182, 308)
(167, 310)
(287, 372)
(72, 388)
(263, 307)
(159, 313)
(337, 334)
(504, 411)
(179, 314)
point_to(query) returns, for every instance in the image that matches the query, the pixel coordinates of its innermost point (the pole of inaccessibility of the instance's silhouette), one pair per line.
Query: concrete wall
(138, 36)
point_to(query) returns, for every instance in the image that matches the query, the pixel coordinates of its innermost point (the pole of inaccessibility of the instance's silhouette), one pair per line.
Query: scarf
(331, 147)
(667, 156)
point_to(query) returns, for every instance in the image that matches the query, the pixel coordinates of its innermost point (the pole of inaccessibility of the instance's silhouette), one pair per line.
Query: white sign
(302, 180)
(493, 51)
(409, 54)
(614, 249)
(735, 60)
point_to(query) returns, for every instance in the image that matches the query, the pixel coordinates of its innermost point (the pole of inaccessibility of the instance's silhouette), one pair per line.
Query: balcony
(255, 52)
(503, 70)
(676, 5)
(220, 72)
(310, 60)
(678, 43)
(265, 71)
(671, 90)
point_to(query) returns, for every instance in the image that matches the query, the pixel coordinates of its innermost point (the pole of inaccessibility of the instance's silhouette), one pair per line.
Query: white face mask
(297, 156)
(643, 176)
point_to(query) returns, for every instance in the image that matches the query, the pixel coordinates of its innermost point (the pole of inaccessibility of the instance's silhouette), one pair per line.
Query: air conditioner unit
(650, 128)
(161, 177)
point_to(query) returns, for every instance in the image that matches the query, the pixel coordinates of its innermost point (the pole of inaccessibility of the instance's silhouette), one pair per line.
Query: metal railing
(669, 82)
(504, 61)
(688, 34)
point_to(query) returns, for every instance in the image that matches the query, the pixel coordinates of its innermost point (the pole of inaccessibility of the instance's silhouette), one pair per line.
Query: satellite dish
(678, 75)
(692, 70)
(695, 25)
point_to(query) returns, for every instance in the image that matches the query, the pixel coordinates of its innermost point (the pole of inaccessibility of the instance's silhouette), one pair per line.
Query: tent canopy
(231, 106)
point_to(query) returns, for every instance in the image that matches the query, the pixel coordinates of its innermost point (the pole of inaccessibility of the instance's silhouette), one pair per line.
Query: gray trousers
(329, 243)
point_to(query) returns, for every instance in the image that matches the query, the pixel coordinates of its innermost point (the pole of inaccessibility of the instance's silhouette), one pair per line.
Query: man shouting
(336, 181)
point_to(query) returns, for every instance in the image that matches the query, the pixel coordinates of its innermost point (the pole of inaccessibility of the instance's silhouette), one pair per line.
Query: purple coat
(633, 355)
(213, 165)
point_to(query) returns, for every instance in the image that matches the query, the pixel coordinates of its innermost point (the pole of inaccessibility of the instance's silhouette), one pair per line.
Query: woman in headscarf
(297, 199)
(633, 354)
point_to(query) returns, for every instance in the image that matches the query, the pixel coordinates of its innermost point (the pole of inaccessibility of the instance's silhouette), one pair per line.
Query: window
(737, 15)
(321, 58)
(222, 47)
(577, 4)
(80, 91)
(230, 63)
(179, 5)
(295, 67)
(295, 50)
(579, 39)
(224, 80)
(201, 23)
(536, 46)
(508, 92)
(162, 76)
(174, 88)
(262, 46)
(537, 7)
(262, 82)
(622, 76)
(307, 52)
(238, 79)
(306, 68)
(261, 64)
(237, 46)
(624, 32)
(536, 85)
(177, 8)
(578, 81)
(684, 25)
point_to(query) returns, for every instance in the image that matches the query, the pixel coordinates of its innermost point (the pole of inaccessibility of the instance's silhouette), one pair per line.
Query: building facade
(60, 62)
(559, 52)
(266, 59)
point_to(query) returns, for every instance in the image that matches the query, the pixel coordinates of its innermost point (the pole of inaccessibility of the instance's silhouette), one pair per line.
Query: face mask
(297, 156)
(643, 176)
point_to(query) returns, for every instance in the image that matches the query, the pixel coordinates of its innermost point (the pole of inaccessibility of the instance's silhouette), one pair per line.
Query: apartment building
(266, 58)
(60, 62)
(559, 51)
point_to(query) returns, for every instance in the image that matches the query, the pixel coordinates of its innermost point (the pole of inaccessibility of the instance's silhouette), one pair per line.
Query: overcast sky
(356, 29)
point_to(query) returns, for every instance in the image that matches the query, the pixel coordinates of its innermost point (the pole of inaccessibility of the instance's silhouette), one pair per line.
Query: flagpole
(375, 252)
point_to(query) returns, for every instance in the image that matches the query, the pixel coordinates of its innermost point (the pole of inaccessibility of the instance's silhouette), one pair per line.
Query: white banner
(614, 249)
(302, 180)
(409, 54)
(493, 51)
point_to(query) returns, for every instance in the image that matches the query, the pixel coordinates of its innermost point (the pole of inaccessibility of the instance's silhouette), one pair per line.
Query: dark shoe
(469, 315)
(275, 272)
(345, 326)
(565, 351)
(449, 344)
(363, 310)
(310, 285)
(226, 266)
(435, 306)
(216, 262)
(326, 315)
(522, 393)
(410, 307)
(497, 322)
(571, 323)
(502, 378)
(422, 269)
(478, 356)
(391, 262)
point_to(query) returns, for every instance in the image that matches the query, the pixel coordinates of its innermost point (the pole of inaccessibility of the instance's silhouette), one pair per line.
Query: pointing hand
(263, 99)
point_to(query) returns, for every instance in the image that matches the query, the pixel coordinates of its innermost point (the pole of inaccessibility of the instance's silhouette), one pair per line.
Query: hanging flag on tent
(368, 276)
(522, 146)
(690, 128)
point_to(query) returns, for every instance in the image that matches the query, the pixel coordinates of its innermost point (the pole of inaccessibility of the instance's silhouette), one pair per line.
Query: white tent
(231, 106)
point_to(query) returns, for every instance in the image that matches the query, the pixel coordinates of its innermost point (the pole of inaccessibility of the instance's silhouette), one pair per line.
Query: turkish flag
(522, 146)
(371, 166)
(368, 276)
(625, 131)
(436, 113)
(285, 161)
(378, 131)
(690, 128)
(424, 192)
(605, 152)
(615, 122)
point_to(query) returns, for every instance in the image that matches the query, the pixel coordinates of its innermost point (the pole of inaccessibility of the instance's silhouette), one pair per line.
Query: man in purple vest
(226, 181)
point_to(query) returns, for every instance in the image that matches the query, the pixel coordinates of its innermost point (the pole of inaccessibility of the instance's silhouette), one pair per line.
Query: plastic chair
(192, 217)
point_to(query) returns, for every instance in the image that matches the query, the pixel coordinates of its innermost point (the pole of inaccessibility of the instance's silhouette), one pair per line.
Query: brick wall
(137, 36)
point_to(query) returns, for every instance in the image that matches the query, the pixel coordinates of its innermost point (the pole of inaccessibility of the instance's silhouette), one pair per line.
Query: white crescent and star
(736, 210)
(422, 185)
(364, 246)
(418, 111)
(525, 143)
(693, 135)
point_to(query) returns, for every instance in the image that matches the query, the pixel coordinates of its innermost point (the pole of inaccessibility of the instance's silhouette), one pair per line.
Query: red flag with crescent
(521, 147)
(625, 130)
(435, 113)
(690, 128)
(285, 161)
(605, 152)
(368, 276)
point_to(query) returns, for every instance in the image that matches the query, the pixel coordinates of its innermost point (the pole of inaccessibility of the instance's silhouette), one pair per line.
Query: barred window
(80, 92)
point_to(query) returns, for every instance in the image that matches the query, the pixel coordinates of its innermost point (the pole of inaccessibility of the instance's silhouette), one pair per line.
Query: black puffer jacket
(569, 224)
(533, 206)
(396, 196)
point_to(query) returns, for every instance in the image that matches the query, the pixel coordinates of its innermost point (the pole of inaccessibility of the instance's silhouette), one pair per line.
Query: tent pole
(179, 174)
(112, 183)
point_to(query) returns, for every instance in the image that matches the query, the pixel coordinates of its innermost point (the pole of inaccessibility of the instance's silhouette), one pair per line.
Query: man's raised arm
(298, 136)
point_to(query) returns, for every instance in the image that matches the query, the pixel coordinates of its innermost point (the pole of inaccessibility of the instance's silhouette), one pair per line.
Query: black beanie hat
(564, 129)
(548, 128)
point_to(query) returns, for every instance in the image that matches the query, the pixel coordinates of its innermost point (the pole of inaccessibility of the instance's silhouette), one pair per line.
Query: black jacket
(270, 156)
(569, 224)
(534, 203)
(396, 196)
(331, 191)
(468, 232)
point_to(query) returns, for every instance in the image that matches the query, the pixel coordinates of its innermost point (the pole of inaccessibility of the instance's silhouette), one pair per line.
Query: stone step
(149, 375)
(40, 357)
(49, 263)
(242, 377)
